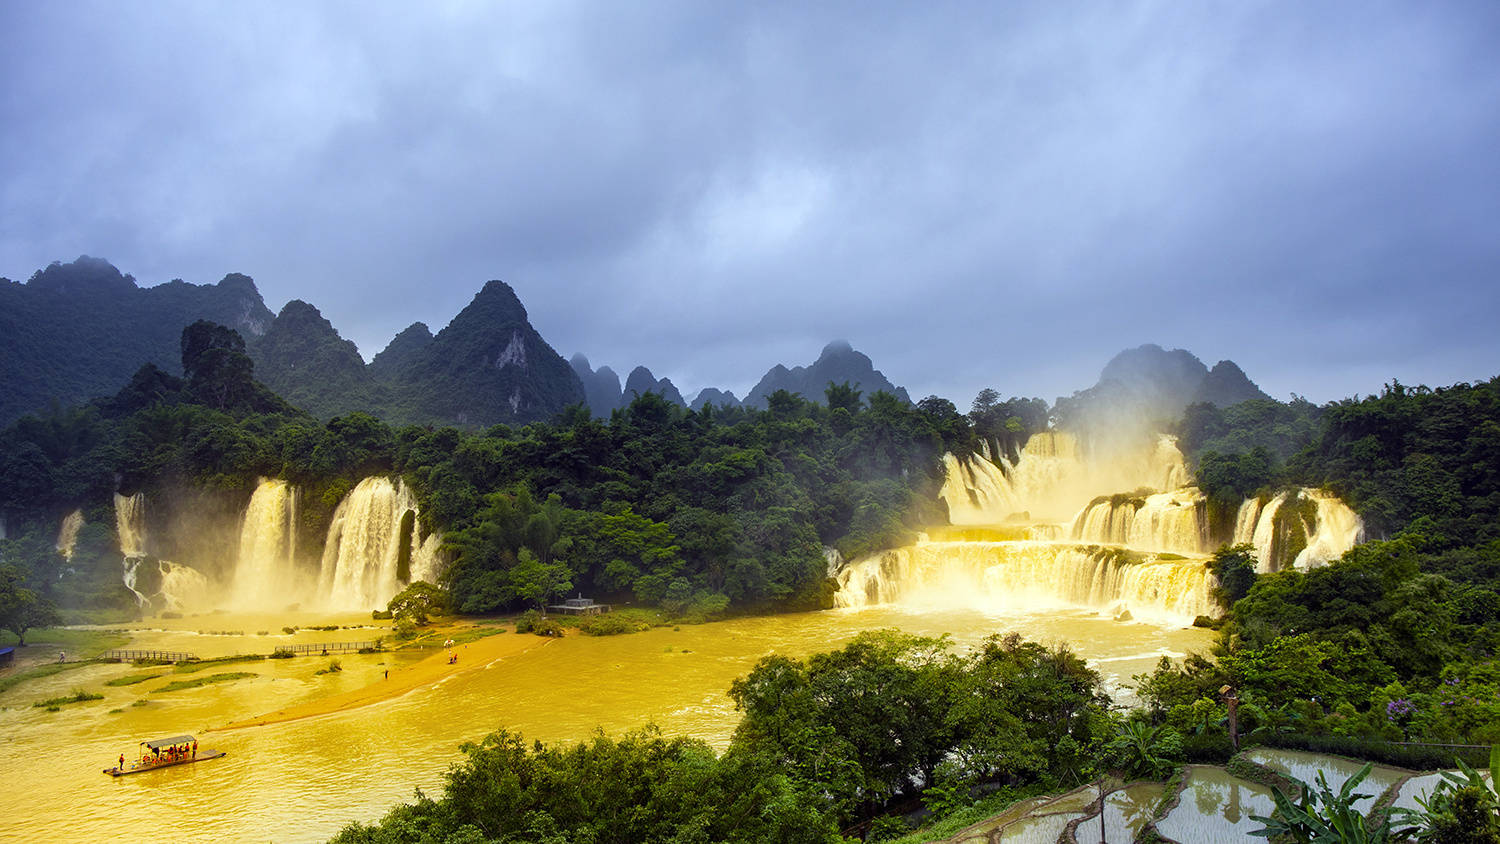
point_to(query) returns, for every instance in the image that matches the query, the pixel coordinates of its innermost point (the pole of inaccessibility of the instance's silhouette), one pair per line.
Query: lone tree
(534, 581)
(20, 608)
(416, 601)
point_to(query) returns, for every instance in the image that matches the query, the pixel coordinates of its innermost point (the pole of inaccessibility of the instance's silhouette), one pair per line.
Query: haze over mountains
(79, 330)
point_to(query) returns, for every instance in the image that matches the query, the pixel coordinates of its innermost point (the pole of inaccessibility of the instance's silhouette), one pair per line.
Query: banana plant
(1463, 802)
(1323, 816)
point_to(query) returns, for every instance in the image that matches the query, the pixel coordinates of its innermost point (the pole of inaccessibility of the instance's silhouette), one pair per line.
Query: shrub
(78, 696)
(1415, 757)
(282, 653)
(532, 621)
(1208, 747)
(610, 625)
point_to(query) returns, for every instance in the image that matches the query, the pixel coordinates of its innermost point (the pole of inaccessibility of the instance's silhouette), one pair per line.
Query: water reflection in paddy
(304, 780)
(1125, 811)
(1215, 806)
(1305, 767)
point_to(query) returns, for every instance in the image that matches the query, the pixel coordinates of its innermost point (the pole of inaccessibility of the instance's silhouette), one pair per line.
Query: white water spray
(371, 530)
(1026, 576)
(265, 575)
(67, 535)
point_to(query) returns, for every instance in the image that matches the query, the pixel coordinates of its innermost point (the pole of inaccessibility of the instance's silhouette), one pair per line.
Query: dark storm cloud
(973, 194)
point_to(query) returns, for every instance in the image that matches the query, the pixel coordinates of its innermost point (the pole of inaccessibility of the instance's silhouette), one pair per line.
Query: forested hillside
(78, 330)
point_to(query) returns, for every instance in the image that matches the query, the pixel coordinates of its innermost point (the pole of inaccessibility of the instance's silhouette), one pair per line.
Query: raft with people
(163, 753)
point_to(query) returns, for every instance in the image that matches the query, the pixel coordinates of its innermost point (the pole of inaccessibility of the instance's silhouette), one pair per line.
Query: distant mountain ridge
(80, 330)
(1151, 386)
(838, 363)
(489, 365)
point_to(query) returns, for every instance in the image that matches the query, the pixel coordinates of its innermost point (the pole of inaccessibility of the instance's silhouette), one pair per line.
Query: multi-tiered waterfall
(157, 584)
(1029, 575)
(1052, 479)
(1299, 527)
(1036, 533)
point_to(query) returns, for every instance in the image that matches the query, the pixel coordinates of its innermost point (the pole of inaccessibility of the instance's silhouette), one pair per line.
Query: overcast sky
(974, 194)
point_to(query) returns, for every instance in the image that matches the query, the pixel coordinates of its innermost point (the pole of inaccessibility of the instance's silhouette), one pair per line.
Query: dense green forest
(692, 510)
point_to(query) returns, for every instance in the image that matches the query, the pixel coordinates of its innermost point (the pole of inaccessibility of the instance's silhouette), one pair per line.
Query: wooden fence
(329, 648)
(161, 656)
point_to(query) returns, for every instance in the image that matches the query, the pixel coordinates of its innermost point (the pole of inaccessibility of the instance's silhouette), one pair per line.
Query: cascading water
(130, 528)
(67, 534)
(1052, 479)
(998, 576)
(156, 584)
(1168, 521)
(1337, 530)
(1300, 528)
(130, 524)
(164, 585)
(1158, 536)
(373, 530)
(266, 575)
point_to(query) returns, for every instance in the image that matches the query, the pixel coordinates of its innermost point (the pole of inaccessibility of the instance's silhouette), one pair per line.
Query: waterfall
(1052, 479)
(977, 491)
(67, 535)
(265, 575)
(1245, 521)
(130, 524)
(132, 577)
(366, 543)
(1337, 530)
(1302, 528)
(164, 585)
(1176, 522)
(130, 528)
(999, 576)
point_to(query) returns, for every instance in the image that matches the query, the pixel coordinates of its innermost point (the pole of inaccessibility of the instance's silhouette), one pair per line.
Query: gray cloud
(973, 194)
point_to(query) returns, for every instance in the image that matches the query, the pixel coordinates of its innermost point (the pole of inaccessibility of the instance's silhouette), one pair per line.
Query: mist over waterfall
(165, 585)
(373, 550)
(156, 584)
(67, 534)
(265, 574)
(1053, 478)
(130, 524)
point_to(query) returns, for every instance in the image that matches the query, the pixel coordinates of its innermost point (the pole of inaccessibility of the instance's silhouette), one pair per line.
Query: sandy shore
(471, 656)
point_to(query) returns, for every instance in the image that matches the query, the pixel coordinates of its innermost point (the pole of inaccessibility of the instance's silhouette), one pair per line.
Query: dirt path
(476, 654)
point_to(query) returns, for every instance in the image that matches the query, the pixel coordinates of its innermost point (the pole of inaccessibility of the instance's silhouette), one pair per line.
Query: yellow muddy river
(304, 780)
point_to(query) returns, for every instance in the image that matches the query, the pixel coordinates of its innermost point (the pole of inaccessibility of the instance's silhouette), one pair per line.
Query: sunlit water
(304, 780)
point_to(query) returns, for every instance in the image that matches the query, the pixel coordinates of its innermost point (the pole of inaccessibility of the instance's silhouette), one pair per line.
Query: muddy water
(304, 780)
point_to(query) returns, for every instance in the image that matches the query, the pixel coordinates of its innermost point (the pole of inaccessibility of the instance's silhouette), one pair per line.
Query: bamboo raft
(151, 761)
